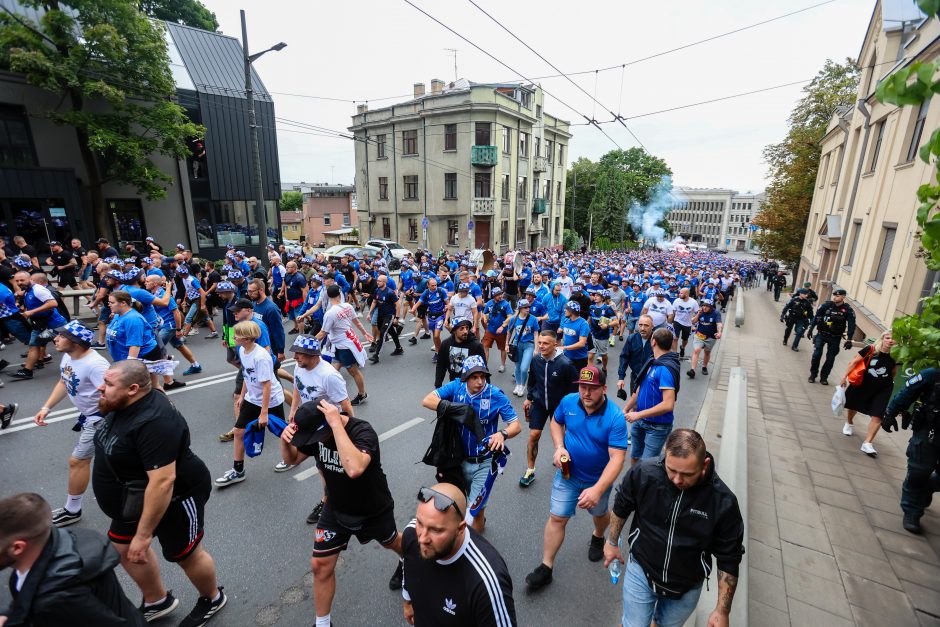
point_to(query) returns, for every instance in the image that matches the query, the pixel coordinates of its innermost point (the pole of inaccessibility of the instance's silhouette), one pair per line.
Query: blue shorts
(565, 493)
(647, 438)
(374, 317)
(435, 323)
(18, 329)
(475, 475)
(168, 338)
(345, 357)
(104, 313)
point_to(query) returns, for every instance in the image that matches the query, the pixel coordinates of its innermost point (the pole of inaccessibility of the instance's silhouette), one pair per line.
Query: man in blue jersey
(554, 307)
(650, 408)
(435, 299)
(39, 306)
(575, 332)
(496, 314)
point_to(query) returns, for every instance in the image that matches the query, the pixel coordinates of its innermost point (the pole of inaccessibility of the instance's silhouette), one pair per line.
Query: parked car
(359, 252)
(398, 251)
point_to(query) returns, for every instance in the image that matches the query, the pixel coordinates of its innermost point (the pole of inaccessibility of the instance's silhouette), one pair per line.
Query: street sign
(754, 227)
(425, 223)
(727, 241)
(470, 225)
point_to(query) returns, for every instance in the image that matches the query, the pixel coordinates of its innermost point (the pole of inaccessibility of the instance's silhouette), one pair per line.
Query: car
(333, 251)
(398, 251)
(359, 252)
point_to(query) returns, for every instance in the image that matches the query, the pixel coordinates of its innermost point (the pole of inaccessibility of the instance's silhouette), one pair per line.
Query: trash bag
(838, 401)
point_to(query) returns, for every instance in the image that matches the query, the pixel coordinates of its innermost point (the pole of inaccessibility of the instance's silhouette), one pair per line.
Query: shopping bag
(838, 401)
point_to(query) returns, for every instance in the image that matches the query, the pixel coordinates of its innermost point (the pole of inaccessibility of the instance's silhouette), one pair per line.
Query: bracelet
(44, 408)
(607, 538)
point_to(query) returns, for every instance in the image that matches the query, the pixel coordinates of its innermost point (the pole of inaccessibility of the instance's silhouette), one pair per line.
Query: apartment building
(327, 208)
(862, 231)
(715, 217)
(467, 165)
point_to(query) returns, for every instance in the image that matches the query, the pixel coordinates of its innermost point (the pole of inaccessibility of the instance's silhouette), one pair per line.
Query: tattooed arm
(726, 587)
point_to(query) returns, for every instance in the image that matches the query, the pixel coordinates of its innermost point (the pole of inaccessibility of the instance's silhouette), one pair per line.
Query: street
(256, 531)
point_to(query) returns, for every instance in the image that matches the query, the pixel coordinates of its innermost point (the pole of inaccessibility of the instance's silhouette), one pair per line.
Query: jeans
(641, 605)
(647, 438)
(831, 344)
(923, 465)
(777, 289)
(800, 330)
(523, 361)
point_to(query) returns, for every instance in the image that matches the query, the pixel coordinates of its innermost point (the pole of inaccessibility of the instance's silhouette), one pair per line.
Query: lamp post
(253, 130)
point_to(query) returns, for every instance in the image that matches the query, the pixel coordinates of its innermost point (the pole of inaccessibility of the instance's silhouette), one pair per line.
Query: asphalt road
(256, 530)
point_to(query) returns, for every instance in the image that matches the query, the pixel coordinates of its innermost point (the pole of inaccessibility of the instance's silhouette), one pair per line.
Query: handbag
(857, 375)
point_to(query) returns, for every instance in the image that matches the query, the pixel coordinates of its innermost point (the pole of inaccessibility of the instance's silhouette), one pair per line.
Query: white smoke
(645, 218)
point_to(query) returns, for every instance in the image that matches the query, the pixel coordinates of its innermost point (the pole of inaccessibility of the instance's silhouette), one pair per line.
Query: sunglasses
(441, 501)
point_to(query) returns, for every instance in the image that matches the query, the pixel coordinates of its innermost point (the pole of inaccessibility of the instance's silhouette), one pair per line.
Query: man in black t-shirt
(105, 249)
(143, 443)
(346, 451)
(63, 263)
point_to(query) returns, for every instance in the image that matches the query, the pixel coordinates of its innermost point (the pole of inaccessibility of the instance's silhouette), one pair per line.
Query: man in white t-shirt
(462, 306)
(81, 373)
(685, 308)
(658, 308)
(565, 281)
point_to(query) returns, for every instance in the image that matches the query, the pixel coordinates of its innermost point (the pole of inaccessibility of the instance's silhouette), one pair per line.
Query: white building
(715, 217)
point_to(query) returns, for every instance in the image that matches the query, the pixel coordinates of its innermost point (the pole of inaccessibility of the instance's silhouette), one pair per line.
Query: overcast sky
(374, 49)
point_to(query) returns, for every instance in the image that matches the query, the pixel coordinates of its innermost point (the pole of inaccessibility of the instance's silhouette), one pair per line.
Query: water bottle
(615, 568)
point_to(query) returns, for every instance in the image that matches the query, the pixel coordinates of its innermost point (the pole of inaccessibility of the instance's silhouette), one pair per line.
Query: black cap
(311, 425)
(55, 243)
(101, 240)
(839, 292)
(243, 303)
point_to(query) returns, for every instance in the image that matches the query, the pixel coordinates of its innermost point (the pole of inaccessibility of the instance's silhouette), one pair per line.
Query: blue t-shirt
(490, 404)
(708, 323)
(145, 298)
(7, 302)
(602, 310)
(35, 297)
(295, 285)
(407, 279)
(650, 392)
(436, 301)
(573, 330)
(588, 438)
(528, 328)
(166, 313)
(126, 330)
(496, 314)
(637, 300)
(265, 339)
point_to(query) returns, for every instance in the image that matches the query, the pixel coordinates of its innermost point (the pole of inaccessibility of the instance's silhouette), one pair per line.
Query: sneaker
(824, 381)
(205, 609)
(426, 336)
(227, 437)
(912, 524)
(596, 549)
(314, 516)
(47, 359)
(868, 449)
(6, 416)
(411, 319)
(194, 369)
(785, 342)
(812, 379)
(527, 479)
(360, 399)
(193, 332)
(23, 374)
(230, 477)
(794, 349)
(412, 340)
(434, 358)
(153, 612)
(847, 429)
(704, 370)
(613, 341)
(172, 385)
(212, 335)
(98, 346)
(502, 368)
(691, 373)
(283, 466)
(540, 577)
(395, 582)
(374, 359)
(398, 351)
(63, 518)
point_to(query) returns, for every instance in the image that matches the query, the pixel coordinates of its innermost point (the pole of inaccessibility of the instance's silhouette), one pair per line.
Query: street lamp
(253, 130)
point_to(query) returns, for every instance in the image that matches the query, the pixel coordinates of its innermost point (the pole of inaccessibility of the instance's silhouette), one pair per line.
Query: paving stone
(885, 520)
(839, 499)
(923, 598)
(878, 598)
(828, 468)
(851, 561)
(915, 570)
(787, 476)
(764, 532)
(767, 589)
(847, 528)
(907, 544)
(803, 535)
(866, 618)
(877, 487)
(764, 558)
(803, 511)
(811, 561)
(926, 620)
(819, 454)
(832, 482)
(762, 614)
(825, 594)
(878, 501)
(853, 469)
(761, 512)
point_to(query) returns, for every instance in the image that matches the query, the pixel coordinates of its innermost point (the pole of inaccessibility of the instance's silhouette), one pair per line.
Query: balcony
(483, 206)
(540, 164)
(538, 206)
(483, 156)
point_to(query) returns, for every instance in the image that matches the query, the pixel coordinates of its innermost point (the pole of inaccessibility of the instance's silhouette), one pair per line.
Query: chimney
(419, 90)
(437, 86)
(362, 108)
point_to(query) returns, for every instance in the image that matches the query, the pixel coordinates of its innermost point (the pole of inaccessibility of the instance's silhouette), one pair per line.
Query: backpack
(445, 452)
(60, 305)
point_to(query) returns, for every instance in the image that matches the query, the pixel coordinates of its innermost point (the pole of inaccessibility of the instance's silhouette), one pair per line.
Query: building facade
(862, 230)
(467, 165)
(715, 217)
(328, 208)
(292, 225)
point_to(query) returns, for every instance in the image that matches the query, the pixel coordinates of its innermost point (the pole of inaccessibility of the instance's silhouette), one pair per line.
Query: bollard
(739, 311)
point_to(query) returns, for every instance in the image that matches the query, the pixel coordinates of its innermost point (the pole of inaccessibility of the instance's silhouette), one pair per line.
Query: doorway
(127, 222)
(481, 234)
(38, 221)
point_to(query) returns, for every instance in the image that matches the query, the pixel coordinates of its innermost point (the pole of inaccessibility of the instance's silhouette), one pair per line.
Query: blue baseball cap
(472, 364)
(77, 332)
(306, 344)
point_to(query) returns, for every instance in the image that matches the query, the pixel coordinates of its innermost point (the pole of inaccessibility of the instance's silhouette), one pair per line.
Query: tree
(107, 64)
(187, 12)
(291, 201)
(794, 162)
(581, 185)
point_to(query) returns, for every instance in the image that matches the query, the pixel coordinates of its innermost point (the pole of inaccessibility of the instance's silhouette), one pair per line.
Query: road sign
(425, 223)
(470, 225)
(754, 227)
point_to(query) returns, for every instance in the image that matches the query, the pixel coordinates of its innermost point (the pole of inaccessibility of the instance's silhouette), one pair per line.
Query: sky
(375, 49)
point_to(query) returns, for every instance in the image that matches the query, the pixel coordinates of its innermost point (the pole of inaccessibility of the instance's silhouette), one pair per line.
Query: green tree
(107, 65)
(187, 12)
(291, 201)
(570, 240)
(794, 162)
(579, 191)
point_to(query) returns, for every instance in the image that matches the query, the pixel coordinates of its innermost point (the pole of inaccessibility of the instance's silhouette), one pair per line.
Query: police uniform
(831, 322)
(923, 450)
(797, 313)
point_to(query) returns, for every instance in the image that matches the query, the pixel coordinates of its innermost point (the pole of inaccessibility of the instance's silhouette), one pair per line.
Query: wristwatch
(504, 433)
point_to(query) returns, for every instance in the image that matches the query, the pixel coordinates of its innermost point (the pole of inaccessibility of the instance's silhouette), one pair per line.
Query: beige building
(327, 208)
(482, 165)
(715, 217)
(862, 231)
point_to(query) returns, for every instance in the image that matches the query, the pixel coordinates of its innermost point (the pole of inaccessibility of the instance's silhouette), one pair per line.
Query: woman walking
(522, 331)
(871, 396)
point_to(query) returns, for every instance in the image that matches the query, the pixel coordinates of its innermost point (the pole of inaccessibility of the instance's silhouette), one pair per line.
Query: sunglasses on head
(441, 501)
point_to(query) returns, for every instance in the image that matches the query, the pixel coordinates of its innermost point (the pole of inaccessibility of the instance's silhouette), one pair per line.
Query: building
(210, 202)
(862, 230)
(329, 208)
(715, 217)
(467, 165)
(292, 225)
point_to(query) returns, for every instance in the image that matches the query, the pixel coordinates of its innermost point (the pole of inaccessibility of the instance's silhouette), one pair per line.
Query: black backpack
(445, 453)
(60, 304)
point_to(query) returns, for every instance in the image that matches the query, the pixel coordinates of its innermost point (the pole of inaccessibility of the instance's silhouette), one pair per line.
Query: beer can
(565, 467)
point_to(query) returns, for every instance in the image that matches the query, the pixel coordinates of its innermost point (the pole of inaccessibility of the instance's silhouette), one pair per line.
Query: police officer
(923, 451)
(833, 319)
(778, 281)
(797, 313)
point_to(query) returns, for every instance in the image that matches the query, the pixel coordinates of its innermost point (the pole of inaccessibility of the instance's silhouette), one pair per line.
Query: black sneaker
(6, 416)
(398, 351)
(596, 549)
(293, 332)
(704, 370)
(374, 359)
(47, 359)
(812, 379)
(23, 374)
(63, 518)
(153, 612)
(314, 516)
(360, 398)
(912, 524)
(412, 340)
(395, 582)
(426, 336)
(691, 373)
(205, 609)
(824, 381)
(174, 384)
(540, 577)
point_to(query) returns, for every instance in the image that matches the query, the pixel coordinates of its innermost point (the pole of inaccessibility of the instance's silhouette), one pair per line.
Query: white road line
(306, 474)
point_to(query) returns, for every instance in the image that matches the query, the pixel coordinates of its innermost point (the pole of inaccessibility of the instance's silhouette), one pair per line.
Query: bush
(570, 240)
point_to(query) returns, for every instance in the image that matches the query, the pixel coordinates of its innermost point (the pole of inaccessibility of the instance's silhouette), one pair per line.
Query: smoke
(645, 218)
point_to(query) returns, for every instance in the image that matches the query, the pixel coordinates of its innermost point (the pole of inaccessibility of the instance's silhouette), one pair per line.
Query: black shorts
(156, 354)
(537, 417)
(332, 536)
(179, 531)
(250, 411)
(422, 311)
(682, 332)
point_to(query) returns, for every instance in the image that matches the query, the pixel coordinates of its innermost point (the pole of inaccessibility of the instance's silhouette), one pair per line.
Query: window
(835, 173)
(412, 229)
(538, 147)
(561, 155)
(557, 227)
(383, 188)
(550, 150)
(535, 187)
(506, 185)
(386, 228)
(886, 246)
(877, 147)
(507, 140)
(558, 191)
(525, 98)
(327, 220)
(538, 111)
(345, 219)
(522, 188)
(547, 194)
(409, 142)
(450, 137)
(504, 232)
(16, 146)
(856, 231)
(380, 146)
(520, 232)
(411, 187)
(523, 144)
(450, 185)
(918, 130)
(481, 134)
(824, 170)
(482, 185)
(453, 232)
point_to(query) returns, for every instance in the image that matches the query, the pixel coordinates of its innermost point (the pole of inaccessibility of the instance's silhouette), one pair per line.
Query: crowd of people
(557, 316)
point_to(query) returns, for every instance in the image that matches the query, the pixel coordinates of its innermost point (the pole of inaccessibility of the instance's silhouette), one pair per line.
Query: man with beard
(461, 344)
(444, 559)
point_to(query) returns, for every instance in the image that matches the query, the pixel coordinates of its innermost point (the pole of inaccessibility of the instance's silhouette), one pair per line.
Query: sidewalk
(826, 546)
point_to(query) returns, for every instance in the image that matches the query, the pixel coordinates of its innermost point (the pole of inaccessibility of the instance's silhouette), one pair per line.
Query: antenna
(453, 51)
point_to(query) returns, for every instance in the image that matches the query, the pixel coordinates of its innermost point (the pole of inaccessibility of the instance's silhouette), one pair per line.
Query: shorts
(682, 332)
(474, 476)
(85, 447)
(179, 531)
(647, 438)
(346, 358)
(435, 322)
(168, 338)
(489, 337)
(156, 354)
(249, 412)
(600, 346)
(707, 343)
(18, 329)
(104, 314)
(422, 311)
(374, 317)
(538, 416)
(332, 536)
(578, 363)
(194, 315)
(548, 325)
(565, 493)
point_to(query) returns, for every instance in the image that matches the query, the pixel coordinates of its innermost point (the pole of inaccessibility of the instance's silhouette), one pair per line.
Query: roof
(292, 217)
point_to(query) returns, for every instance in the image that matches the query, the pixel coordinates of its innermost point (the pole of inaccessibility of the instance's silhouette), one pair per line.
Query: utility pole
(453, 51)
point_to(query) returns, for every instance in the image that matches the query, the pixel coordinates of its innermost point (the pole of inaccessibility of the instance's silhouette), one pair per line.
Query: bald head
(131, 372)
(455, 493)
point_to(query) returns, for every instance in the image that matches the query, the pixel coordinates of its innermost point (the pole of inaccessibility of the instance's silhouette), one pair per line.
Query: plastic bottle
(615, 569)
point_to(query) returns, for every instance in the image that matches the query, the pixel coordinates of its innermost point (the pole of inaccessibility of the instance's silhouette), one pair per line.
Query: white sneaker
(501, 368)
(520, 390)
(868, 449)
(847, 429)
(193, 332)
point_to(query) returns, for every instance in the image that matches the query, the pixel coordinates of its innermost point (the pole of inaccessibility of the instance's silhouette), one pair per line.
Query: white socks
(323, 621)
(73, 504)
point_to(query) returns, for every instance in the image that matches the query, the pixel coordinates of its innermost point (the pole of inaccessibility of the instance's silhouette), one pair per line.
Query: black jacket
(452, 355)
(636, 352)
(798, 309)
(833, 319)
(550, 381)
(675, 533)
(73, 583)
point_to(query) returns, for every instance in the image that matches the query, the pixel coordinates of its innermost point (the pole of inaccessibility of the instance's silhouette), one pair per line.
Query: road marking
(306, 474)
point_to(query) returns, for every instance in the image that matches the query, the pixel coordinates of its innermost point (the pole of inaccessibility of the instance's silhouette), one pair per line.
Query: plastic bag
(838, 401)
